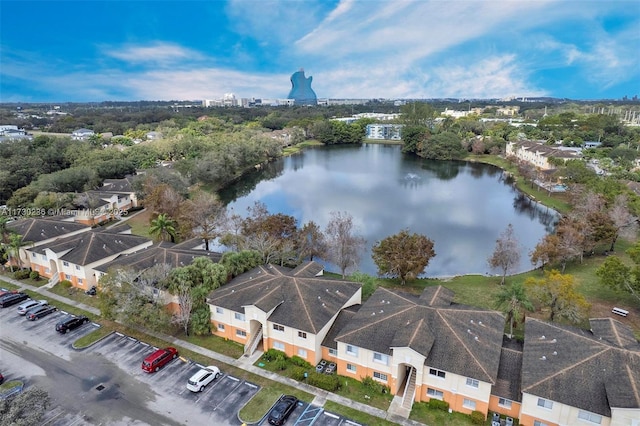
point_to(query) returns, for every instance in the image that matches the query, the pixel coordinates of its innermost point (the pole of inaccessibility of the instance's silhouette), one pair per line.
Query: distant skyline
(128, 50)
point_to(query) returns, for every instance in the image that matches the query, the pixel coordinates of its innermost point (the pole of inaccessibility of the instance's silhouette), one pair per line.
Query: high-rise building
(301, 90)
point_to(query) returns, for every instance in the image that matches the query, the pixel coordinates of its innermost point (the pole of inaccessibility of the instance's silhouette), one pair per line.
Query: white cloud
(156, 52)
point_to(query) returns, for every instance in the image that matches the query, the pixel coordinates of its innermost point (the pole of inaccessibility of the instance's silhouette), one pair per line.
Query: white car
(202, 378)
(22, 309)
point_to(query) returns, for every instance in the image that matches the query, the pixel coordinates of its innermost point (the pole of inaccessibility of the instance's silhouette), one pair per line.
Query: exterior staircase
(53, 281)
(409, 390)
(253, 343)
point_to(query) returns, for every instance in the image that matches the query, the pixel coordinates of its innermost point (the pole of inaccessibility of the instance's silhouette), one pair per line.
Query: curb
(77, 348)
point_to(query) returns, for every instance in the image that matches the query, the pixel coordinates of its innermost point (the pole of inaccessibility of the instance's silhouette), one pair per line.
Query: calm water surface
(463, 207)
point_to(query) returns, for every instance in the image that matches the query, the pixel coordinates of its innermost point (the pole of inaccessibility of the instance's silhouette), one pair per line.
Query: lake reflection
(461, 206)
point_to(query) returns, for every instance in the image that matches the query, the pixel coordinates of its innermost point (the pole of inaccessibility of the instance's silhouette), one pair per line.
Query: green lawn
(260, 404)
(8, 285)
(216, 344)
(75, 293)
(421, 412)
(357, 416)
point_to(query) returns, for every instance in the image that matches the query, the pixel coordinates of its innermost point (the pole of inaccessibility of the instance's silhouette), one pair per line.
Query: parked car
(71, 323)
(159, 359)
(22, 309)
(39, 312)
(202, 378)
(283, 409)
(10, 299)
(1, 379)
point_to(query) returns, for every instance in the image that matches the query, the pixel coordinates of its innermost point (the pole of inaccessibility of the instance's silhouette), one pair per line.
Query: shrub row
(436, 404)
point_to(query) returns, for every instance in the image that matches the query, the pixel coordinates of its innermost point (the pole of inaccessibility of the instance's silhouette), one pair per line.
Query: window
(469, 403)
(589, 417)
(380, 376)
(302, 353)
(219, 310)
(545, 403)
(47, 270)
(67, 277)
(351, 368)
(239, 316)
(539, 423)
(278, 327)
(352, 350)
(333, 352)
(278, 345)
(434, 393)
(302, 334)
(381, 358)
(241, 333)
(220, 327)
(472, 382)
(77, 267)
(44, 257)
(79, 280)
(503, 402)
(33, 255)
(65, 263)
(437, 373)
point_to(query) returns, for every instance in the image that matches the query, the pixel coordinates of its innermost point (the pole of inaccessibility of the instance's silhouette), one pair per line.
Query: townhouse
(538, 153)
(291, 310)
(572, 376)
(75, 257)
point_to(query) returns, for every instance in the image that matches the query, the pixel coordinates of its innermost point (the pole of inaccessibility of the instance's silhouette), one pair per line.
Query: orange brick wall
(290, 350)
(455, 400)
(513, 412)
(361, 372)
(526, 420)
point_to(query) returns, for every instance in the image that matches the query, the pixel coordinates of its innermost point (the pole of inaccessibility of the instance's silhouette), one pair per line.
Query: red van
(158, 359)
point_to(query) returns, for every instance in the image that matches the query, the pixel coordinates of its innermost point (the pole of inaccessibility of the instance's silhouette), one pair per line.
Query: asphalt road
(105, 385)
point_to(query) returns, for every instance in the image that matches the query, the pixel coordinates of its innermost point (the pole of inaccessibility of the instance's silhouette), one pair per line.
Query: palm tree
(163, 226)
(512, 300)
(13, 248)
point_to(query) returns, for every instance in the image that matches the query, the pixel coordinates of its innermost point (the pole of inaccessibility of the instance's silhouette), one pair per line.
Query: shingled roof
(35, 230)
(117, 185)
(162, 253)
(299, 297)
(92, 246)
(592, 370)
(509, 372)
(432, 326)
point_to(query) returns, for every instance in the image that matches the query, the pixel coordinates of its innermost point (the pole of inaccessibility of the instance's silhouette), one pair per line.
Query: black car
(11, 299)
(282, 410)
(71, 323)
(39, 312)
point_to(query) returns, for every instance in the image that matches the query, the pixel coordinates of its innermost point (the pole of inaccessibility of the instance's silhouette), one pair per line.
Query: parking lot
(104, 384)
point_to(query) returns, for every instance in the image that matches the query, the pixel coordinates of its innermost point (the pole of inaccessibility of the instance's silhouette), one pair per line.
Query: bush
(34, 275)
(297, 373)
(281, 364)
(66, 284)
(300, 362)
(477, 418)
(21, 274)
(374, 385)
(436, 404)
(273, 355)
(329, 382)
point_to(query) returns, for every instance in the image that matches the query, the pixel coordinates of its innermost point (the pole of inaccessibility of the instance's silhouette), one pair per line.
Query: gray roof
(299, 298)
(343, 318)
(432, 328)
(163, 253)
(35, 230)
(93, 246)
(117, 185)
(592, 370)
(509, 372)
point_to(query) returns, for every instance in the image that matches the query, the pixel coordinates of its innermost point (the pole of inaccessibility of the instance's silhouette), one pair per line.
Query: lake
(462, 206)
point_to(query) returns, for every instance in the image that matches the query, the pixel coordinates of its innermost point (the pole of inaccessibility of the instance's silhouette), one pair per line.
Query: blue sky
(54, 51)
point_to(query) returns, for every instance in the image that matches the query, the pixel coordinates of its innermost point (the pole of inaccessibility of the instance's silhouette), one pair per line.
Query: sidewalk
(321, 396)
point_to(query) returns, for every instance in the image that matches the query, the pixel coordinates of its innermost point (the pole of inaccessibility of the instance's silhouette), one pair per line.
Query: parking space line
(333, 416)
(228, 395)
(251, 385)
(117, 333)
(233, 378)
(349, 422)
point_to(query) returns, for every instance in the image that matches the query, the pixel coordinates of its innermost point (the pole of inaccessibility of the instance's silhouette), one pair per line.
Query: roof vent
(327, 290)
(233, 291)
(104, 246)
(468, 331)
(475, 338)
(555, 352)
(542, 337)
(319, 298)
(471, 321)
(373, 313)
(553, 341)
(480, 322)
(381, 311)
(323, 305)
(388, 302)
(543, 358)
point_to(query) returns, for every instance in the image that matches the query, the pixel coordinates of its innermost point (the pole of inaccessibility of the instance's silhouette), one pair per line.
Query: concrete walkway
(245, 363)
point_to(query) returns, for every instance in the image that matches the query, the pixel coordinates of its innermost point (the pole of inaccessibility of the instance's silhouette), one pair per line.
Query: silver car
(29, 304)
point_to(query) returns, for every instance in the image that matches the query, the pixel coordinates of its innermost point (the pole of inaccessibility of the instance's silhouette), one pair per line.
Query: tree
(311, 241)
(506, 255)
(204, 214)
(443, 146)
(547, 251)
(13, 248)
(185, 305)
(162, 199)
(236, 263)
(625, 224)
(558, 292)
(403, 255)
(615, 274)
(27, 408)
(512, 300)
(163, 227)
(344, 245)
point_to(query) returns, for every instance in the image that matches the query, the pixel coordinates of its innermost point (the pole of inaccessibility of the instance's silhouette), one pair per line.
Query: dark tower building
(301, 89)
